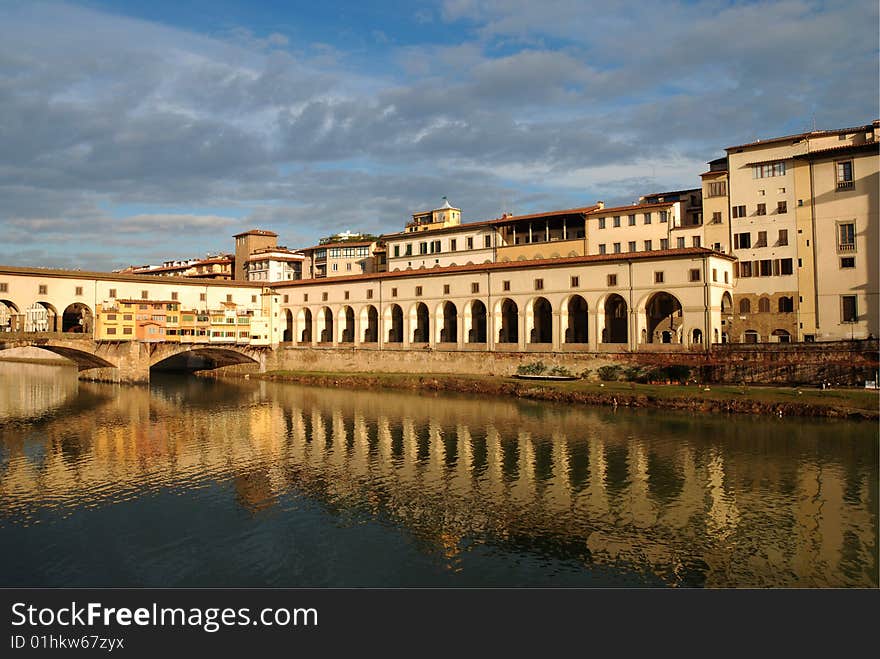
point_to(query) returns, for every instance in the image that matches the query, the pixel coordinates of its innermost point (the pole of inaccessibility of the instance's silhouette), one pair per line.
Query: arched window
(750, 336)
(745, 306)
(764, 305)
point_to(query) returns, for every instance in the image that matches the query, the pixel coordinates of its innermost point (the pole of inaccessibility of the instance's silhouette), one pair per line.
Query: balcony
(846, 247)
(845, 185)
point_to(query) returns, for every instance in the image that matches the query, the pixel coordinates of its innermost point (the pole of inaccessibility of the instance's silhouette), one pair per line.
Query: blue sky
(134, 132)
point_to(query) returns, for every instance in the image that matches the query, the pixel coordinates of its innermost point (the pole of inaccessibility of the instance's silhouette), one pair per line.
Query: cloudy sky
(136, 132)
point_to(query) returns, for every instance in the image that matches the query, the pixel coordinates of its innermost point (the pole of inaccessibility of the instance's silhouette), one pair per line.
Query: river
(198, 482)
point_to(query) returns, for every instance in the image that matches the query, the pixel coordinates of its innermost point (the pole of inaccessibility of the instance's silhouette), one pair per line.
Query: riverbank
(852, 404)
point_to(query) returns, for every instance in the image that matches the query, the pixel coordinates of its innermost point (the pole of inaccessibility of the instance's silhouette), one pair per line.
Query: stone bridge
(132, 361)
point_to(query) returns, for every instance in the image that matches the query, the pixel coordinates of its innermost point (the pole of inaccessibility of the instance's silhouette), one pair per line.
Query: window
(632, 245)
(452, 244)
(602, 248)
(846, 237)
(694, 274)
(844, 175)
(765, 268)
(145, 295)
(470, 243)
(664, 215)
(726, 277)
(762, 209)
(396, 251)
(679, 242)
(648, 246)
(323, 297)
(347, 266)
(305, 297)
(769, 169)
(664, 243)
(612, 280)
(445, 289)
(742, 240)
(601, 222)
(782, 207)
(475, 287)
(848, 262)
(762, 239)
(786, 305)
(745, 268)
(505, 285)
(696, 241)
(783, 237)
(631, 219)
(616, 248)
(345, 295)
(717, 189)
(111, 316)
(658, 277)
(785, 267)
(79, 290)
(418, 291)
(393, 292)
(849, 313)
(423, 248)
(716, 217)
(762, 193)
(487, 241)
(647, 218)
(575, 282)
(539, 284)
(745, 306)
(126, 330)
(764, 305)
(201, 297)
(408, 251)
(739, 211)
(111, 330)
(714, 274)
(616, 221)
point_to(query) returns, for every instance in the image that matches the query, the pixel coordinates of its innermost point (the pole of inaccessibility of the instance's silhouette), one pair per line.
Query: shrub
(560, 370)
(535, 368)
(609, 373)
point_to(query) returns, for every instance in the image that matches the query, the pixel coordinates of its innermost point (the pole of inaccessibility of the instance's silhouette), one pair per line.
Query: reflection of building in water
(642, 490)
(40, 389)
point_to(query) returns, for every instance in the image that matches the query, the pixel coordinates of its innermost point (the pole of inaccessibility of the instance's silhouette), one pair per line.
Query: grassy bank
(777, 401)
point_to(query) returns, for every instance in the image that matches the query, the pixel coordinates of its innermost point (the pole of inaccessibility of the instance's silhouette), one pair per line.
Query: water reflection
(196, 482)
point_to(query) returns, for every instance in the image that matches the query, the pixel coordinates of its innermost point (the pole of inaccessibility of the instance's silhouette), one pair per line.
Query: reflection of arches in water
(616, 330)
(395, 332)
(542, 332)
(326, 316)
(306, 325)
(449, 331)
(577, 320)
(422, 323)
(477, 333)
(509, 331)
(663, 315)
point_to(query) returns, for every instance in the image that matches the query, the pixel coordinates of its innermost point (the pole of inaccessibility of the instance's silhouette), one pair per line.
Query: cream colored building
(642, 301)
(635, 228)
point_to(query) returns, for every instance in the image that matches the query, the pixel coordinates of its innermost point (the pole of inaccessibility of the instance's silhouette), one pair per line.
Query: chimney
(600, 204)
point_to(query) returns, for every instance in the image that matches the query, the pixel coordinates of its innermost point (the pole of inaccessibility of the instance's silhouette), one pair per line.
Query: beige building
(641, 301)
(635, 228)
(247, 243)
(338, 259)
(269, 264)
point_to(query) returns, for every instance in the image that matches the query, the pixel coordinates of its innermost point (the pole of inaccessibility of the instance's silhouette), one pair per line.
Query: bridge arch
(198, 359)
(83, 359)
(41, 317)
(77, 317)
(10, 316)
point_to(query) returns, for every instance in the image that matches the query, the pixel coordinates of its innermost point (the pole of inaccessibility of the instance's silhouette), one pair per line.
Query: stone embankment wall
(841, 363)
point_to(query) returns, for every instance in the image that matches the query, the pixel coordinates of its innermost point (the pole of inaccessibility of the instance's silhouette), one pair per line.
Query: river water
(196, 482)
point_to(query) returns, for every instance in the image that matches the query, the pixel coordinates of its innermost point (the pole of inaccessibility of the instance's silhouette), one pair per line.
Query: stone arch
(83, 360)
(507, 314)
(304, 322)
(325, 325)
(781, 336)
(726, 303)
(663, 314)
(764, 305)
(616, 320)
(10, 317)
(198, 359)
(578, 320)
(288, 326)
(539, 320)
(394, 322)
(697, 336)
(77, 317)
(447, 322)
(476, 322)
(346, 325)
(420, 323)
(41, 317)
(370, 324)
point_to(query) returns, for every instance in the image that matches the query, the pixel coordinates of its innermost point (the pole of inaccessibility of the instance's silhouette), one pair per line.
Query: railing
(846, 185)
(846, 247)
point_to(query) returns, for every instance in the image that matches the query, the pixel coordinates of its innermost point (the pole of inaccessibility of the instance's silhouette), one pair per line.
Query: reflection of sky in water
(193, 482)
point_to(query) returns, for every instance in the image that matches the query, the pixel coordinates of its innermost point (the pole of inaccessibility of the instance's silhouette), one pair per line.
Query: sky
(144, 131)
